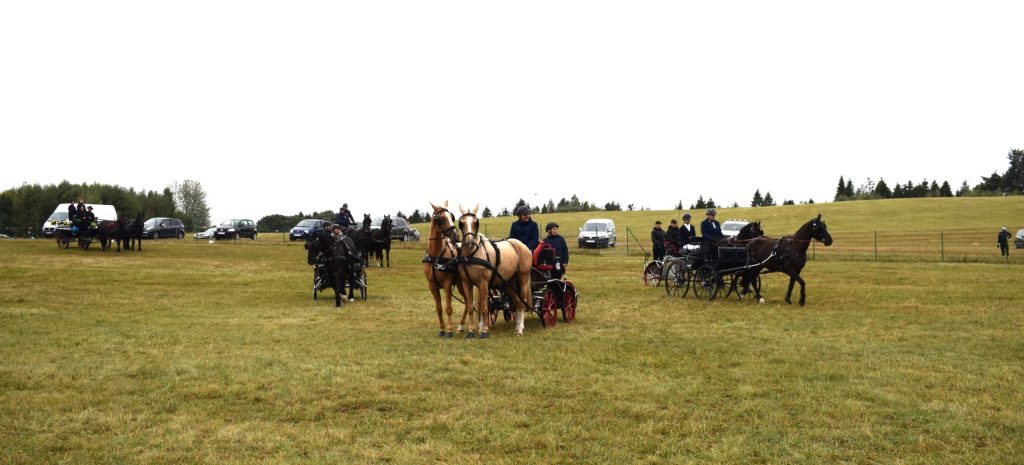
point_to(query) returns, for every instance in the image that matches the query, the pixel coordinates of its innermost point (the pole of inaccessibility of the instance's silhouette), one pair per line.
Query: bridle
(439, 217)
(465, 235)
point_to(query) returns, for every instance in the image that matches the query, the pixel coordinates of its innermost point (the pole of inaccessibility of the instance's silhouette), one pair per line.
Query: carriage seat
(544, 257)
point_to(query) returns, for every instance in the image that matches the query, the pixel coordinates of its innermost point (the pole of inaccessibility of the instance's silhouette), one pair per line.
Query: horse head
(470, 226)
(366, 221)
(385, 226)
(444, 222)
(750, 231)
(819, 231)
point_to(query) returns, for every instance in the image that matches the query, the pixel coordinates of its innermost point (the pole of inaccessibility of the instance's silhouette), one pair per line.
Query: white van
(102, 212)
(597, 233)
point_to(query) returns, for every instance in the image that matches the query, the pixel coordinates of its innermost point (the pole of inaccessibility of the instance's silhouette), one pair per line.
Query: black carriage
(67, 233)
(322, 279)
(550, 293)
(706, 271)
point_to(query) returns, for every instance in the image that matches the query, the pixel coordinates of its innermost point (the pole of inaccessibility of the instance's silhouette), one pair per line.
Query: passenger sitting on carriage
(711, 233)
(672, 243)
(686, 231)
(553, 252)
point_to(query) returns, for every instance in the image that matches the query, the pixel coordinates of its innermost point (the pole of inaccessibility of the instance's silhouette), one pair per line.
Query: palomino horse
(505, 265)
(439, 266)
(787, 254)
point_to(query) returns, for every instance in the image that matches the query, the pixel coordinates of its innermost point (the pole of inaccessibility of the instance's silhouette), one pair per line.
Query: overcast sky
(277, 107)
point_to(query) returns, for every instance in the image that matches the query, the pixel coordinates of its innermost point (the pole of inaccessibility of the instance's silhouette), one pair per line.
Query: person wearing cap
(88, 219)
(710, 228)
(658, 241)
(524, 229)
(672, 243)
(1004, 242)
(561, 249)
(686, 230)
(344, 217)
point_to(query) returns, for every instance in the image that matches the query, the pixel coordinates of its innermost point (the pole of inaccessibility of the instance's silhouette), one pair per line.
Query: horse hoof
(762, 301)
(351, 299)
(451, 334)
(470, 336)
(440, 333)
(484, 335)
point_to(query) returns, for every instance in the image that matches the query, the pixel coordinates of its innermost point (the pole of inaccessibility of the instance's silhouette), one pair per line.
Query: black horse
(334, 263)
(126, 232)
(381, 245)
(787, 254)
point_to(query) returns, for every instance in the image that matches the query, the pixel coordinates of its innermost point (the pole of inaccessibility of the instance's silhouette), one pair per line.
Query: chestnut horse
(787, 254)
(505, 265)
(439, 266)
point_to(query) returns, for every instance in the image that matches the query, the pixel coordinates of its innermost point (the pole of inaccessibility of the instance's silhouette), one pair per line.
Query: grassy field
(215, 353)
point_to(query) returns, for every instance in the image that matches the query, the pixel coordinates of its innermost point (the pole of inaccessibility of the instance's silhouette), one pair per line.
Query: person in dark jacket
(344, 217)
(72, 212)
(525, 229)
(710, 228)
(561, 249)
(686, 231)
(1004, 242)
(658, 241)
(672, 238)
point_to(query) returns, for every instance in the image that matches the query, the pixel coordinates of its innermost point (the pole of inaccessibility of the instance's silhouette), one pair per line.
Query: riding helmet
(686, 216)
(711, 211)
(551, 225)
(523, 210)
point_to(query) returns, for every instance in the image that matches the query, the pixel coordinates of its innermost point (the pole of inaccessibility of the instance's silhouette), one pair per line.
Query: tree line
(1010, 182)
(23, 209)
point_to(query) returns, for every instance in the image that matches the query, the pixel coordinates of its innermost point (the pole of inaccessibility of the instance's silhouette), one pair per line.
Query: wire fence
(960, 245)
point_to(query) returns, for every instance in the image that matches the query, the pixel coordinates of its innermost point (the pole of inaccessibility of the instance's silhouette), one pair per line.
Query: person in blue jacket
(525, 229)
(561, 249)
(710, 228)
(344, 217)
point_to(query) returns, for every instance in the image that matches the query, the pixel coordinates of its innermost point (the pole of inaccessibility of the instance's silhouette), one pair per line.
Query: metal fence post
(876, 245)
(628, 232)
(942, 246)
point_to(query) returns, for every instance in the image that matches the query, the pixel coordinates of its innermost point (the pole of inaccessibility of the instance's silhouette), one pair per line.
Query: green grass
(215, 353)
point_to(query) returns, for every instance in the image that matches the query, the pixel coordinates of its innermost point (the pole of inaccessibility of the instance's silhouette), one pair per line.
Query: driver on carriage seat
(524, 229)
(552, 254)
(711, 232)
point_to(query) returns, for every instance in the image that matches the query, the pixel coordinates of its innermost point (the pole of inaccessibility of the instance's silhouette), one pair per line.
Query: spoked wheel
(675, 284)
(569, 304)
(494, 317)
(62, 242)
(362, 284)
(652, 273)
(316, 286)
(705, 283)
(549, 309)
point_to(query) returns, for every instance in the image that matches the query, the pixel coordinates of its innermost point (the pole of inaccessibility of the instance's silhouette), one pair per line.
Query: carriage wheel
(652, 273)
(62, 242)
(316, 286)
(362, 284)
(705, 283)
(506, 313)
(493, 316)
(569, 305)
(549, 309)
(676, 279)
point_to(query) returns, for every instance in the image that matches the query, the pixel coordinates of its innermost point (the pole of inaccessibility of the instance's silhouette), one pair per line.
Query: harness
(471, 259)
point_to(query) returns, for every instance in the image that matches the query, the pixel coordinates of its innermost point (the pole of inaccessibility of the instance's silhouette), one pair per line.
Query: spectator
(1004, 242)
(658, 241)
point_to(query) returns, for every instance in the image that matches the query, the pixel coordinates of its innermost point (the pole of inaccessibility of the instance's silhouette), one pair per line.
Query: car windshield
(307, 223)
(732, 226)
(59, 216)
(599, 227)
(377, 222)
(228, 223)
(213, 229)
(150, 222)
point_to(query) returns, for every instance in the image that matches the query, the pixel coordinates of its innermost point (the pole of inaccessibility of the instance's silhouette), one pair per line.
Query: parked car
(400, 229)
(597, 233)
(155, 228)
(4, 236)
(1018, 239)
(732, 227)
(235, 229)
(208, 234)
(301, 230)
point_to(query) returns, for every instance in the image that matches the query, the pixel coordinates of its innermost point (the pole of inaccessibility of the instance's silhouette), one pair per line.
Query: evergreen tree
(1013, 179)
(711, 203)
(701, 204)
(487, 212)
(679, 206)
(945, 190)
(840, 190)
(963, 190)
(757, 201)
(768, 200)
(415, 217)
(882, 189)
(933, 189)
(849, 189)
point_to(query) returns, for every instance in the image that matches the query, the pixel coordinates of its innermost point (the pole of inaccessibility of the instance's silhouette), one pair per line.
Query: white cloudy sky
(277, 107)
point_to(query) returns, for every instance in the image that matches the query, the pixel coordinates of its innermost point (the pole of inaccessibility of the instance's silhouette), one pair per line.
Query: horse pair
(475, 262)
(120, 232)
(375, 243)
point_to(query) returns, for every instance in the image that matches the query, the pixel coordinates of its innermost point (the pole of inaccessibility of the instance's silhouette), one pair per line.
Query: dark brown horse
(787, 254)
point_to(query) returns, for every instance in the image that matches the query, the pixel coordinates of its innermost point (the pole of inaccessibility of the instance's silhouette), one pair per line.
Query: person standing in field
(686, 231)
(1004, 242)
(672, 238)
(658, 241)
